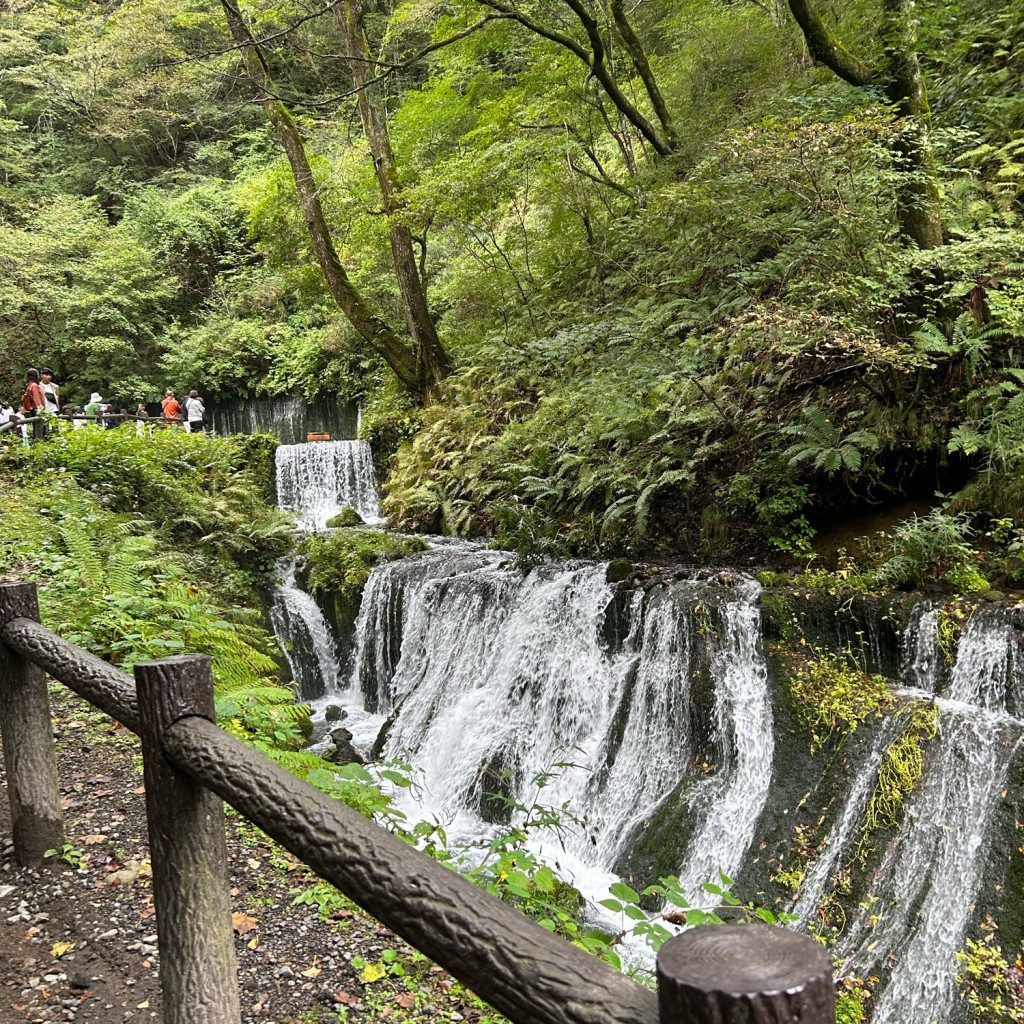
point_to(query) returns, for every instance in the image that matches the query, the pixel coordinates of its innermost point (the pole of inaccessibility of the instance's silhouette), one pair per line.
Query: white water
(318, 479)
(923, 893)
(304, 636)
(497, 673)
(817, 880)
(735, 796)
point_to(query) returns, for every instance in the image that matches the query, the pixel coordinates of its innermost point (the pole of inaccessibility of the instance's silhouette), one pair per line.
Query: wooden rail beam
(99, 682)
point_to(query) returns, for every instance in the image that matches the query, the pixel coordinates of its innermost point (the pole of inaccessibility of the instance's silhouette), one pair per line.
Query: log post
(198, 975)
(30, 757)
(744, 974)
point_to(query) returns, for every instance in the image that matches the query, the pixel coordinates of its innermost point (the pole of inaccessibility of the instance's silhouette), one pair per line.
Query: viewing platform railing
(727, 974)
(19, 421)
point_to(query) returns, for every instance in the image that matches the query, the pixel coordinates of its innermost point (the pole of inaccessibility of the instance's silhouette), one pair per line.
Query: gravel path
(80, 944)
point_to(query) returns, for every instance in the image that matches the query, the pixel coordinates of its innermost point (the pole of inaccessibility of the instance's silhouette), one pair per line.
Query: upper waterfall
(320, 478)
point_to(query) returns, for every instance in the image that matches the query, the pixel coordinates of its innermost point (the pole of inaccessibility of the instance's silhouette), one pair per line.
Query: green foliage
(932, 547)
(123, 587)
(831, 695)
(899, 772)
(341, 562)
(208, 493)
(994, 988)
(700, 354)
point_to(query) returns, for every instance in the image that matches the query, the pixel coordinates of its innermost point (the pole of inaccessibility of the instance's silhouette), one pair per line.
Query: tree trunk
(431, 359)
(919, 206)
(395, 352)
(643, 68)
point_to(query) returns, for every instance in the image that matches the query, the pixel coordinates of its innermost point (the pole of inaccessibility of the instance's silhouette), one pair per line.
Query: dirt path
(78, 941)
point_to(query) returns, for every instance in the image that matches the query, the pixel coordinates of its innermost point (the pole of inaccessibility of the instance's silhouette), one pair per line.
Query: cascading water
(304, 636)
(735, 796)
(816, 881)
(501, 676)
(921, 898)
(318, 479)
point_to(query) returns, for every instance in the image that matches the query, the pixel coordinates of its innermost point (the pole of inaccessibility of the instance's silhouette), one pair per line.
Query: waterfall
(500, 677)
(922, 895)
(819, 874)
(287, 418)
(735, 796)
(304, 636)
(317, 480)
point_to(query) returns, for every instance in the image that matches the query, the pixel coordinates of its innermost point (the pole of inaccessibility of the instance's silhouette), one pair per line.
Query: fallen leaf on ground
(310, 972)
(242, 923)
(59, 949)
(132, 871)
(407, 1000)
(93, 840)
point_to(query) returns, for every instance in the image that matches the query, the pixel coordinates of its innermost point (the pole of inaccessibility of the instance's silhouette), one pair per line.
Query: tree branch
(826, 48)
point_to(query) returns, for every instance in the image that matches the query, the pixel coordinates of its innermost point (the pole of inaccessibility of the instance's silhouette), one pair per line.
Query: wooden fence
(728, 974)
(13, 424)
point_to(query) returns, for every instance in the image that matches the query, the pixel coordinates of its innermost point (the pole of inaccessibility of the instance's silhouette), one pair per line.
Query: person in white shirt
(50, 391)
(6, 413)
(194, 412)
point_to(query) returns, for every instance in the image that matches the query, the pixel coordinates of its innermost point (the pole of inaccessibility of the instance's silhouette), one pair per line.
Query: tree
(434, 363)
(597, 53)
(899, 75)
(420, 362)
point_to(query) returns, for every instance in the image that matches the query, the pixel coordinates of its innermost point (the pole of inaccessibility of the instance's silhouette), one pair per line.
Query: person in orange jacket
(171, 407)
(33, 403)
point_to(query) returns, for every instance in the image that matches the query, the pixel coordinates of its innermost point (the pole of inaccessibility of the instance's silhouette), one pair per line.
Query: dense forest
(664, 277)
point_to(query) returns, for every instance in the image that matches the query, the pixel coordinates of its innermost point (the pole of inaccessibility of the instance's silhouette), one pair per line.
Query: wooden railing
(21, 420)
(727, 974)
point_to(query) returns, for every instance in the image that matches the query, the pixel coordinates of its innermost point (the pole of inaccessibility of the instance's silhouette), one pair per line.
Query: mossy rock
(345, 519)
(340, 563)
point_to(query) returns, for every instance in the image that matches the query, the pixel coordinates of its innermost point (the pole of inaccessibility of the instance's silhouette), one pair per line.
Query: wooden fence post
(744, 974)
(30, 757)
(198, 975)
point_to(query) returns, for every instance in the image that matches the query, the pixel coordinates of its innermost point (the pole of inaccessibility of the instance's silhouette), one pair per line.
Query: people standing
(6, 413)
(94, 407)
(195, 412)
(141, 416)
(51, 392)
(171, 407)
(33, 403)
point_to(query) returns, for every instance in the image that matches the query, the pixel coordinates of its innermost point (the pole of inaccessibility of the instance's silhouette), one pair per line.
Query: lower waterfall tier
(664, 725)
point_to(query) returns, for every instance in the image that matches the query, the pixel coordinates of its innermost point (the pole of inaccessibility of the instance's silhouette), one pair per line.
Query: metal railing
(728, 973)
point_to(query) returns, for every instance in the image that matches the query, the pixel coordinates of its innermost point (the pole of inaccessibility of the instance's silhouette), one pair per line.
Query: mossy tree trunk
(919, 207)
(431, 359)
(419, 372)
